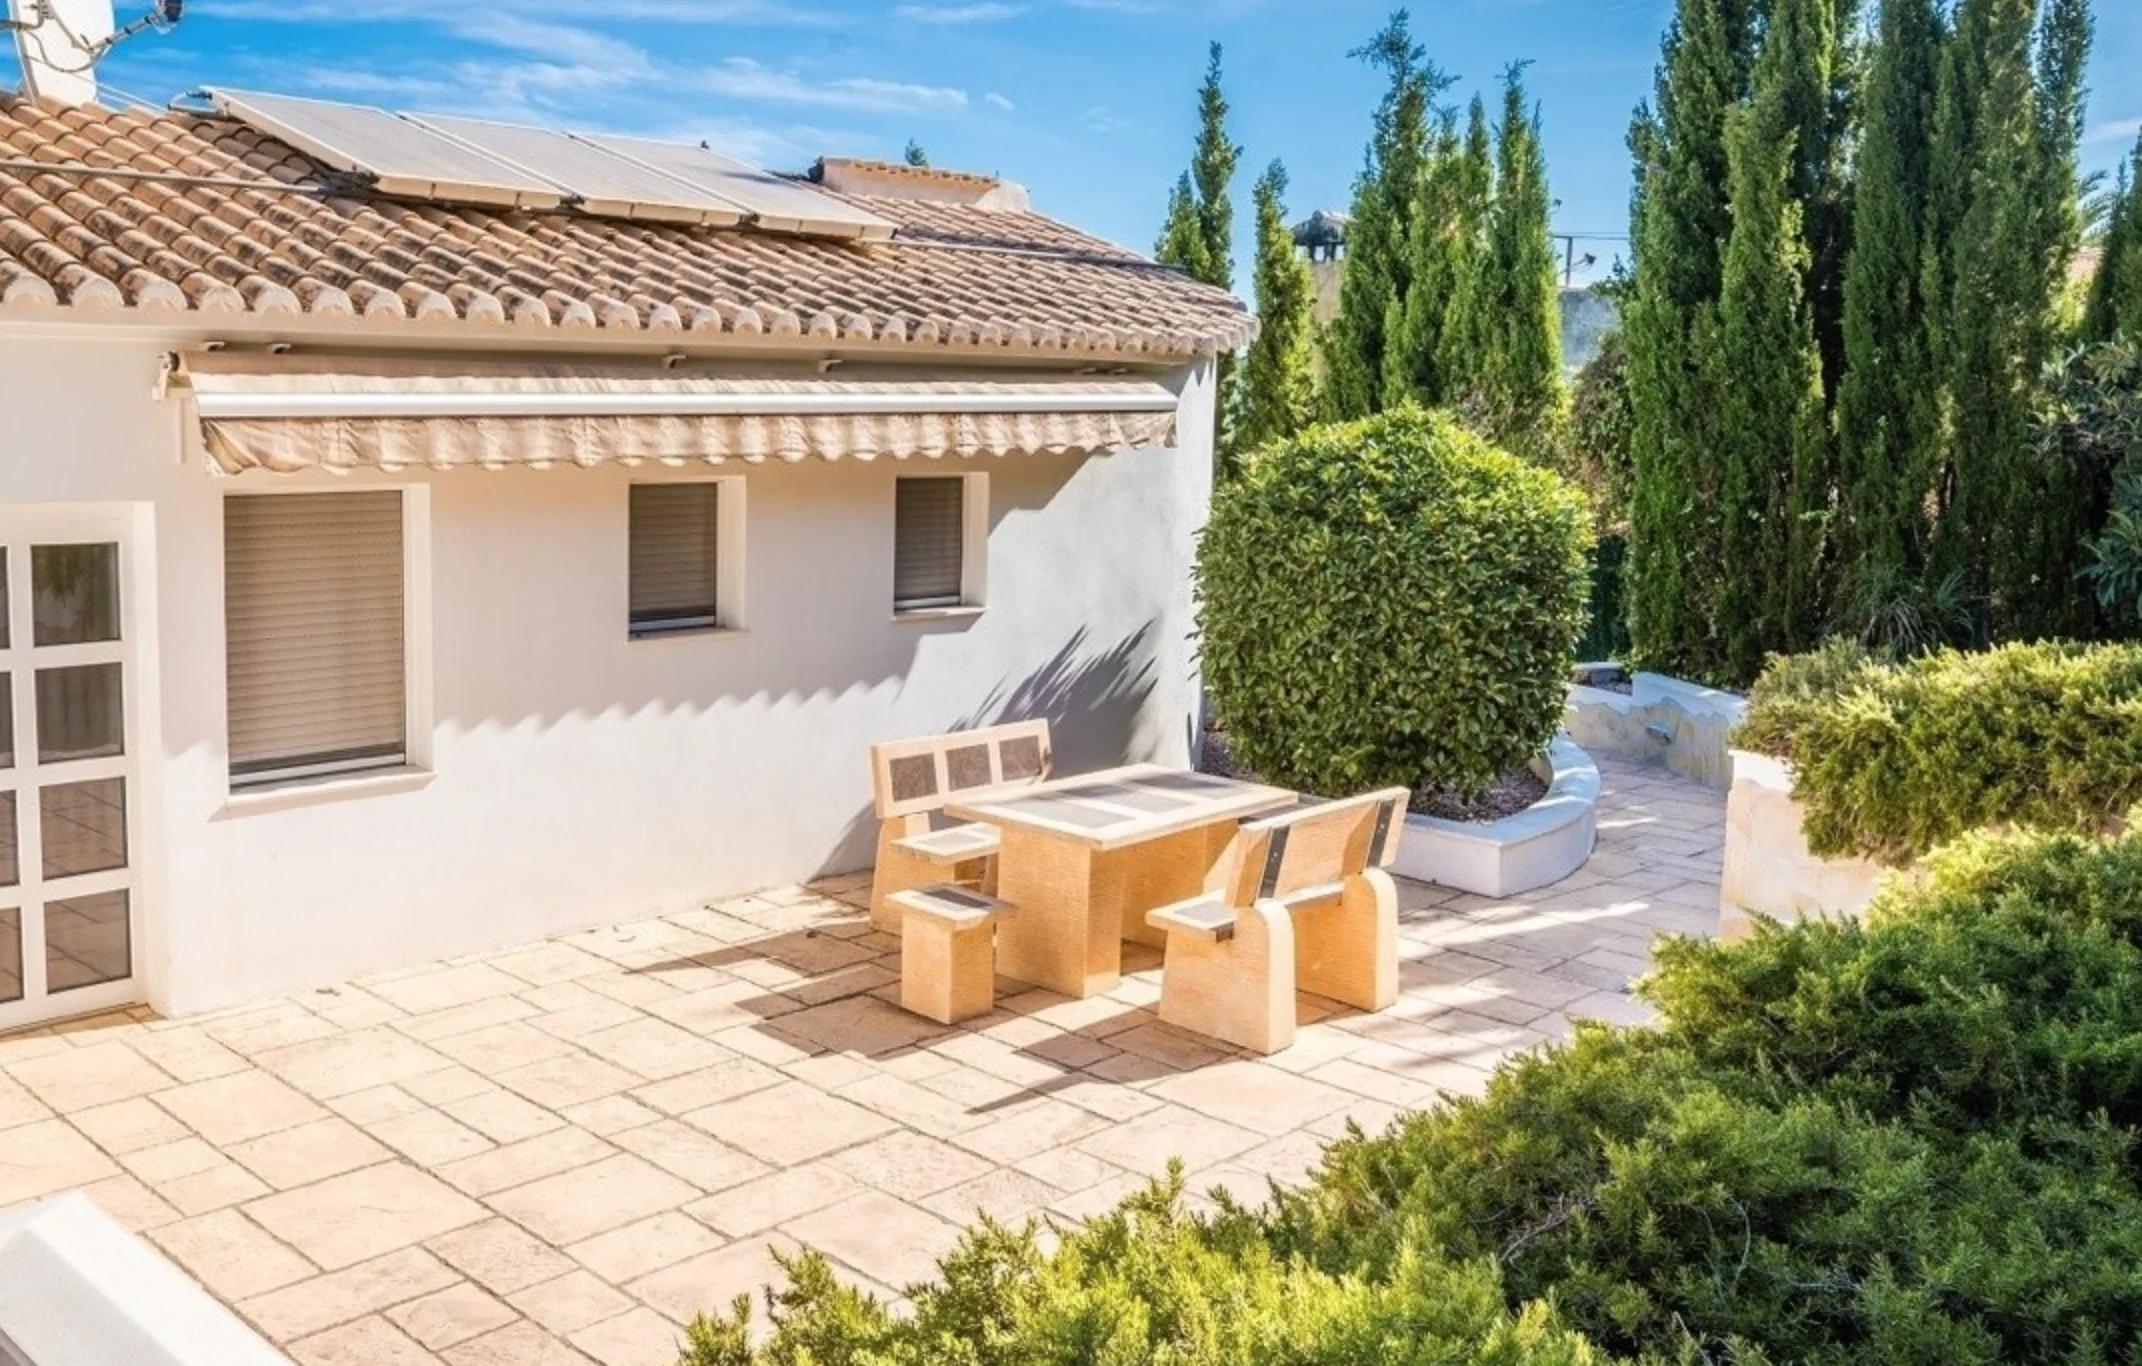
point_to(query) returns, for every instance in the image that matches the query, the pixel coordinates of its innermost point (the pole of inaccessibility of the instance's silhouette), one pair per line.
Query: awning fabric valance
(288, 413)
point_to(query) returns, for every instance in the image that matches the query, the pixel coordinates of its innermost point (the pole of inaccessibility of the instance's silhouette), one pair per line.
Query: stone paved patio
(559, 1153)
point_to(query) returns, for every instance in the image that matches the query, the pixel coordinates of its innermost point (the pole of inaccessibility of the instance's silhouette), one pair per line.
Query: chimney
(59, 42)
(895, 180)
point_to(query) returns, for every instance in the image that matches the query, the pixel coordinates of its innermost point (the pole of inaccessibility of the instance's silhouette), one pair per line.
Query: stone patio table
(1084, 858)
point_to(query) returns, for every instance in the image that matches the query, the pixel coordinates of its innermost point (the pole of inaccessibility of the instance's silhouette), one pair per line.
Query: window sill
(315, 791)
(964, 612)
(681, 633)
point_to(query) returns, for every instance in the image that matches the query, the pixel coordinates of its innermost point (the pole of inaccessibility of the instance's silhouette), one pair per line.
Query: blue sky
(1089, 102)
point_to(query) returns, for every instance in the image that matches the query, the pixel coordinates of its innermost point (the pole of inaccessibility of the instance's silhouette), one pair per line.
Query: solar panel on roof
(404, 158)
(776, 205)
(604, 182)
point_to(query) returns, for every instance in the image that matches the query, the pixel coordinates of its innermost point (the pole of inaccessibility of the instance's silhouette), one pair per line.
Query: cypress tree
(1772, 476)
(1468, 325)
(1372, 292)
(1679, 221)
(1413, 359)
(1888, 426)
(1279, 380)
(1522, 382)
(2115, 302)
(1198, 233)
(2002, 209)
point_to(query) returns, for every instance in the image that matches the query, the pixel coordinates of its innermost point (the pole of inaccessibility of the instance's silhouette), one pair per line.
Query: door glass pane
(7, 713)
(86, 941)
(10, 868)
(79, 713)
(84, 827)
(10, 954)
(6, 642)
(77, 592)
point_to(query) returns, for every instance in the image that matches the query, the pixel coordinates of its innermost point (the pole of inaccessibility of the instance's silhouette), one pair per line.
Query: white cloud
(744, 79)
(997, 101)
(2115, 130)
(987, 12)
(1102, 119)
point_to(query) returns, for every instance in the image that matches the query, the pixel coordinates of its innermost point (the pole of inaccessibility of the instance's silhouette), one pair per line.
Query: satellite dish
(59, 42)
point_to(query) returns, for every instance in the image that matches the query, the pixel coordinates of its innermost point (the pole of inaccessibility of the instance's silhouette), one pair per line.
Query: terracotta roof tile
(958, 275)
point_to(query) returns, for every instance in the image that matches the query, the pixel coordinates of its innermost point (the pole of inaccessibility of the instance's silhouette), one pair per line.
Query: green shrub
(1908, 1141)
(1391, 601)
(1148, 1283)
(1891, 760)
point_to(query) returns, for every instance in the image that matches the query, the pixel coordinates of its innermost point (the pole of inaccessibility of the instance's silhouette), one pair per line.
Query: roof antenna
(61, 42)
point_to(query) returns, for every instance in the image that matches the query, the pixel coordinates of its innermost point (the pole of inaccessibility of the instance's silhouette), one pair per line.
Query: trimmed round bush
(1391, 602)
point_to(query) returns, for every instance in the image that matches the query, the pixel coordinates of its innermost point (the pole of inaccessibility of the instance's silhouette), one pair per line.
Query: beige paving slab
(712, 1280)
(888, 1240)
(654, 1049)
(128, 1126)
(84, 1078)
(367, 1342)
(344, 1063)
(322, 1302)
(240, 1106)
(451, 1316)
(531, 1159)
(1149, 1142)
(689, 1153)
(759, 1205)
(593, 1199)
(638, 1337)
(310, 1152)
(518, 1344)
(639, 1249)
(232, 1256)
(1252, 1095)
(134, 1205)
(788, 1124)
(500, 1255)
(571, 1302)
(45, 1158)
(347, 1219)
(430, 1138)
(909, 1165)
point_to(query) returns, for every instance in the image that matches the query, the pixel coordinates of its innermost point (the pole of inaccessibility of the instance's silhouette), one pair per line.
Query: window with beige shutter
(675, 572)
(314, 612)
(929, 542)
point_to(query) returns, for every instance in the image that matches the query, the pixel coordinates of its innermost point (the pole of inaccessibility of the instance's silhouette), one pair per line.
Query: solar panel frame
(776, 205)
(404, 158)
(604, 183)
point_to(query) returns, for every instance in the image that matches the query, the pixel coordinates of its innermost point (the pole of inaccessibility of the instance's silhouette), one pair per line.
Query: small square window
(676, 552)
(930, 543)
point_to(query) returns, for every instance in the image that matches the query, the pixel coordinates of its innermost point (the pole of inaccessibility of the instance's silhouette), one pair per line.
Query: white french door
(71, 757)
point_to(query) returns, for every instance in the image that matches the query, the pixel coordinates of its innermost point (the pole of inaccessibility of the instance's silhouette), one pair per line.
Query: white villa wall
(579, 777)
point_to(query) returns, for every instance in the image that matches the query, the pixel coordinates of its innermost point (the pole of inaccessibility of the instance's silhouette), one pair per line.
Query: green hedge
(1906, 1142)
(1891, 760)
(1391, 602)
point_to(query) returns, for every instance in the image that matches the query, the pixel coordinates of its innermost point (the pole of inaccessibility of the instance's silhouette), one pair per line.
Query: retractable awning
(288, 413)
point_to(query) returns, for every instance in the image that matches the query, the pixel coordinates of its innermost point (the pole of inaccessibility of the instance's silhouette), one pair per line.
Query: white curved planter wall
(76, 1289)
(1768, 866)
(1544, 843)
(1663, 720)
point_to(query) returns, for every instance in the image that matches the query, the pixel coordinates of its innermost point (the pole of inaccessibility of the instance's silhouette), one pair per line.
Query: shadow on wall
(1092, 703)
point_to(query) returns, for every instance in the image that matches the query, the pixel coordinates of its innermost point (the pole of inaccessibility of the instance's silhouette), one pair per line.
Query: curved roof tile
(955, 275)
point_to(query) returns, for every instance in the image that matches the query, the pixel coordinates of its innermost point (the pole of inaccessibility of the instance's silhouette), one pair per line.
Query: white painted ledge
(76, 1289)
(1768, 867)
(1542, 844)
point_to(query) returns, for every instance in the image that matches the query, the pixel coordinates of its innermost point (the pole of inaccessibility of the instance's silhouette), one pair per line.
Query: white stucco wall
(580, 777)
